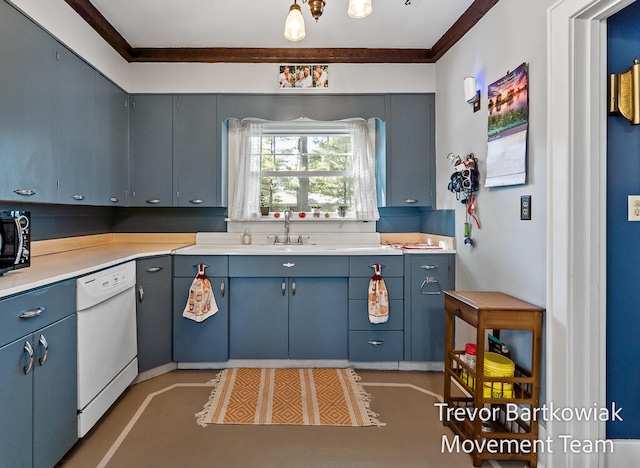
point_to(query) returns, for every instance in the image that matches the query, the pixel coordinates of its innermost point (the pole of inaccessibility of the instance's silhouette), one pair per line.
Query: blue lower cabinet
(429, 276)
(288, 318)
(55, 398)
(376, 345)
(16, 406)
(38, 376)
(206, 341)
(258, 323)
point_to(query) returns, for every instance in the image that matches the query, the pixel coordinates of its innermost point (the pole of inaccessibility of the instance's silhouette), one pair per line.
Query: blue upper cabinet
(73, 130)
(197, 169)
(174, 158)
(27, 54)
(151, 150)
(112, 142)
(410, 151)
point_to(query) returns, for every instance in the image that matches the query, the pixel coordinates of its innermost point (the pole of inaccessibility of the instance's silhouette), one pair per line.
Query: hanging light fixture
(294, 25)
(316, 7)
(359, 8)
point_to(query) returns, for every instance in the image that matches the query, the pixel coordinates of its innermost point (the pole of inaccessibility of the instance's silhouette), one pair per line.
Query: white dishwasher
(107, 346)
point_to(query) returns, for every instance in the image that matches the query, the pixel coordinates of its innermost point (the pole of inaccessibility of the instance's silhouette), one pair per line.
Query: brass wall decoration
(624, 93)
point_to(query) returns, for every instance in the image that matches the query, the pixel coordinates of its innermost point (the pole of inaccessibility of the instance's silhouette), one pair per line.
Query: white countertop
(48, 269)
(55, 267)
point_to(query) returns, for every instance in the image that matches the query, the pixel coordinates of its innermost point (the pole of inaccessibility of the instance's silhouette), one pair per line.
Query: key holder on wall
(465, 183)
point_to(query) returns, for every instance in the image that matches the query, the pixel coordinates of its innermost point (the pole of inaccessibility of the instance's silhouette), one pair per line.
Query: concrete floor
(165, 433)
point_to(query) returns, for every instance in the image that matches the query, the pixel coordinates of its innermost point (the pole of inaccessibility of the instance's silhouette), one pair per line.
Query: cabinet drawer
(392, 265)
(376, 346)
(151, 269)
(53, 302)
(359, 316)
(187, 265)
(359, 288)
(288, 266)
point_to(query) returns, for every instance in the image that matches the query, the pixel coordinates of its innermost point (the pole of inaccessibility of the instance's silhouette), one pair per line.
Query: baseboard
(625, 453)
(306, 363)
(155, 372)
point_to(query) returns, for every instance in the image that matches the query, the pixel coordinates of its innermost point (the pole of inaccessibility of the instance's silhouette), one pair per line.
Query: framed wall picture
(303, 76)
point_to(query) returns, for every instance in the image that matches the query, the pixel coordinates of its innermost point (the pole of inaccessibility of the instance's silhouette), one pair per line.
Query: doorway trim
(576, 230)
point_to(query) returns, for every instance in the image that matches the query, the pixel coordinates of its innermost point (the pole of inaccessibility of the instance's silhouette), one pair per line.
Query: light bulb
(294, 25)
(359, 8)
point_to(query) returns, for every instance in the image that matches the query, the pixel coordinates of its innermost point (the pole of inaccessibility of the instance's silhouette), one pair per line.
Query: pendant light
(359, 8)
(294, 25)
(316, 7)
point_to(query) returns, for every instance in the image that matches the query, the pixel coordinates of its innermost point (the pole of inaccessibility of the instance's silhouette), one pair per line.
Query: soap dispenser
(246, 238)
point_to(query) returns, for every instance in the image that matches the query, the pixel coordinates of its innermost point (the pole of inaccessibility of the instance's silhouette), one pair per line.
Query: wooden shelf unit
(493, 311)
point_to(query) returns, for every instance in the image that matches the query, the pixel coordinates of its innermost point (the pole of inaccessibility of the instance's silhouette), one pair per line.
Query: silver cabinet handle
(293, 287)
(28, 349)
(153, 201)
(376, 342)
(411, 200)
(373, 265)
(429, 267)
(284, 287)
(114, 200)
(140, 292)
(77, 196)
(430, 280)
(222, 288)
(32, 313)
(25, 192)
(288, 265)
(196, 201)
(44, 345)
(154, 269)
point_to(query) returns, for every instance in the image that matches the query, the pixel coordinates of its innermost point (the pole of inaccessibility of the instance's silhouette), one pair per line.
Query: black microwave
(15, 240)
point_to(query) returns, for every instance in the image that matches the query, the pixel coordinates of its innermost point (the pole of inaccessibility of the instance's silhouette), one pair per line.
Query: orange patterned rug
(310, 397)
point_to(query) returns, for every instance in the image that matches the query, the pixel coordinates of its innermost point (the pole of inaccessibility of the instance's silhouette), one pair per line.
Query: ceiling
(397, 31)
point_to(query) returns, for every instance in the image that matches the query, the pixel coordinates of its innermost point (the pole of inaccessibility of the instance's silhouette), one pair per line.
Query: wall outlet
(634, 208)
(525, 207)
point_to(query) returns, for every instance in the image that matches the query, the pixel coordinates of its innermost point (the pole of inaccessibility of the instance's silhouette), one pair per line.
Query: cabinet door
(26, 102)
(411, 150)
(207, 341)
(153, 312)
(151, 150)
(16, 400)
(258, 324)
(55, 397)
(74, 127)
(427, 305)
(318, 317)
(196, 166)
(111, 142)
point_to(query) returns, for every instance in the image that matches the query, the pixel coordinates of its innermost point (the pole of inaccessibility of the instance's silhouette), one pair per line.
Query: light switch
(634, 208)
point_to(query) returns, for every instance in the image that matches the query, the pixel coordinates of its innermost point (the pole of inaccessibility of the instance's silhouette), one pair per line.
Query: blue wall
(623, 245)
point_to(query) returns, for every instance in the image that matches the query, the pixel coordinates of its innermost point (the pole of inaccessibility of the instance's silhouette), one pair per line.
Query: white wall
(510, 254)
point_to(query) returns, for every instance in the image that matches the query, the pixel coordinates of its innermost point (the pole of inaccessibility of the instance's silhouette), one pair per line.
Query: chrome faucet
(287, 225)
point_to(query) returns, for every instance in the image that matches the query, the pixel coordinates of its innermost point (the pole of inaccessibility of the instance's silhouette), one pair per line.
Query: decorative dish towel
(201, 303)
(378, 297)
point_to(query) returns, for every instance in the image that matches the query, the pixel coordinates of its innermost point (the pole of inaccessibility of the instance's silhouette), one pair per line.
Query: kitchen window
(302, 164)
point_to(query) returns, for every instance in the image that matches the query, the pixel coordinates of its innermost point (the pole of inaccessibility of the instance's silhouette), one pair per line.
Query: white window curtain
(246, 195)
(364, 172)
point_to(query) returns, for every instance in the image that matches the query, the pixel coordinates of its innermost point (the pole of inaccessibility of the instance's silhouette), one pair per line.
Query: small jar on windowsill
(264, 210)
